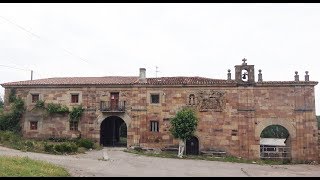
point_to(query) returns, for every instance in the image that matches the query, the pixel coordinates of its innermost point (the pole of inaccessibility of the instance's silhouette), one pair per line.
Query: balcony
(107, 106)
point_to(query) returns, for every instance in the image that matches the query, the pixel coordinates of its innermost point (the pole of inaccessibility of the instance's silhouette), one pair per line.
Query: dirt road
(127, 164)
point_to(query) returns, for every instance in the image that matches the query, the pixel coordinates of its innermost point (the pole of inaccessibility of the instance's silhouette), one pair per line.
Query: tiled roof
(134, 80)
(75, 81)
(186, 81)
(118, 80)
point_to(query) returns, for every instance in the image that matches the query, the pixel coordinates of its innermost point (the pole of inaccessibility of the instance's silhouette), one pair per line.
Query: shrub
(56, 139)
(9, 136)
(49, 148)
(57, 108)
(76, 113)
(66, 147)
(40, 104)
(12, 95)
(10, 121)
(86, 143)
(29, 144)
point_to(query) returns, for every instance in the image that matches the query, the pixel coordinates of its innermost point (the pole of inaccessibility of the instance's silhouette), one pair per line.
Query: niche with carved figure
(192, 100)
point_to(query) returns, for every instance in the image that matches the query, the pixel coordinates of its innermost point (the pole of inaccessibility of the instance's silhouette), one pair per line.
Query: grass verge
(26, 167)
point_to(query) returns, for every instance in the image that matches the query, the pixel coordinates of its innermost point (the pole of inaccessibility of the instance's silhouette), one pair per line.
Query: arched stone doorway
(192, 146)
(113, 132)
(275, 143)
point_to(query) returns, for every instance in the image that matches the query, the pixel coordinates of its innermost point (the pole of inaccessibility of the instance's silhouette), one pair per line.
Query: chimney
(142, 75)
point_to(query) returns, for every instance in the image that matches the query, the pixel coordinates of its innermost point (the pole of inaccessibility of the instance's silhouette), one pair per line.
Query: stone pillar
(259, 76)
(229, 74)
(296, 77)
(306, 77)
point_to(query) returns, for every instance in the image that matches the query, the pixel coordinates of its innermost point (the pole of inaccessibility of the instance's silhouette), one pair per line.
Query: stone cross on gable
(244, 61)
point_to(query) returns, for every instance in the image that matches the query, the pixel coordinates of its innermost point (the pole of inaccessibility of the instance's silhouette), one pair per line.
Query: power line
(20, 27)
(15, 67)
(37, 36)
(19, 69)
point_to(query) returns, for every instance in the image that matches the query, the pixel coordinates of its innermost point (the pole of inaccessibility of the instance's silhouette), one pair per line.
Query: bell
(244, 76)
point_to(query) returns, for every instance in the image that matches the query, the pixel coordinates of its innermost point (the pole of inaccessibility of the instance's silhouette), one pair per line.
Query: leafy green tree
(10, 120)
(1, 103)
(275, 131)
(183, 127)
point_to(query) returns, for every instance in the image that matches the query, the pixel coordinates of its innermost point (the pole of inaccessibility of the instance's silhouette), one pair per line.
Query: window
(74, 98)
(35, 98)
(73, 125)
(155, 98)
(154, 126)
(33, 125)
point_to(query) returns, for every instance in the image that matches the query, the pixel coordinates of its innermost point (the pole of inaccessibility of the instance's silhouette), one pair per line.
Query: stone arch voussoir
(282, 122)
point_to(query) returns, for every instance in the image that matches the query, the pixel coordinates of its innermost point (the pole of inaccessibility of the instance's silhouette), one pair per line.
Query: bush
(40, 104)
(56, 139)
(10, 121)
(9, 136)
(86, 143)
(49, 148)
(76, 113)
(57, 109)
(66, 147)
(29, 144)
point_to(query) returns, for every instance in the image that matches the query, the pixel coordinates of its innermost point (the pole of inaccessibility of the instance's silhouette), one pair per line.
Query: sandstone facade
(232, 113)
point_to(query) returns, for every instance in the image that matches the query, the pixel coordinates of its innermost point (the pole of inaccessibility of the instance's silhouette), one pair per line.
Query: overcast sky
(62, 40)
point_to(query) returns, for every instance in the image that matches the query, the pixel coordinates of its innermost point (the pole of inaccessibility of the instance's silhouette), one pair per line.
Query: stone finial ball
(296, 72)
(229, 70)
(307, 72)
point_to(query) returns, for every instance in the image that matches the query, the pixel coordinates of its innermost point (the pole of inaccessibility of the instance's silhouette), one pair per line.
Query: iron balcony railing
(107, 106)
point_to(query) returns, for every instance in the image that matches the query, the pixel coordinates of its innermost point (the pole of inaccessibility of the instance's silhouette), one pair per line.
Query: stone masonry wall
(230, 118)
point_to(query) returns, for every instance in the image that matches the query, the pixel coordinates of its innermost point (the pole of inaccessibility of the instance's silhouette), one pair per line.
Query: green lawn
(26, 167)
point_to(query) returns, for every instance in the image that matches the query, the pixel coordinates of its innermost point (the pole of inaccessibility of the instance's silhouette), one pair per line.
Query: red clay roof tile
(117, 80)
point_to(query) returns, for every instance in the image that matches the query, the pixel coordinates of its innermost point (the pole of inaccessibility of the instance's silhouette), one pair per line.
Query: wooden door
(192, 146)
(114, 101)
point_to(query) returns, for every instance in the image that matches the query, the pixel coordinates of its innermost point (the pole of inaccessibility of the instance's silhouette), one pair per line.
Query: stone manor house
(232, 113)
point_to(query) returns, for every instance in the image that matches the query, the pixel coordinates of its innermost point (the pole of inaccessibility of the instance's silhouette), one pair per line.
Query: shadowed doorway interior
(113, 132)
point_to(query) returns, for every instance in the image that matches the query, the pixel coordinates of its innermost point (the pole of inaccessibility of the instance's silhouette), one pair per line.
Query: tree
(1, 103)
(275, 131)
(1, 106)
(183, 126)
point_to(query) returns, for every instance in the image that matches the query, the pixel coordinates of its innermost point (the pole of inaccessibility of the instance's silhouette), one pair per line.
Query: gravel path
(127, 164)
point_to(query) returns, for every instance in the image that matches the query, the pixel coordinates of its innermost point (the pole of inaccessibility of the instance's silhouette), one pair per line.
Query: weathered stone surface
(230, 118)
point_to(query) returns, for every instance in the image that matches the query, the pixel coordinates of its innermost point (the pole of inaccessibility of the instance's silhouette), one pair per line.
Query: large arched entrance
(275, 143)
(113, 132)
(192, 146)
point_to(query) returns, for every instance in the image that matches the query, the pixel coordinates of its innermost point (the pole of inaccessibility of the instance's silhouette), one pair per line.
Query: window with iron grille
(73, 126)
(74, 98)
(154, 126)
(35, 98)
(33, 125)
(155, 98)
